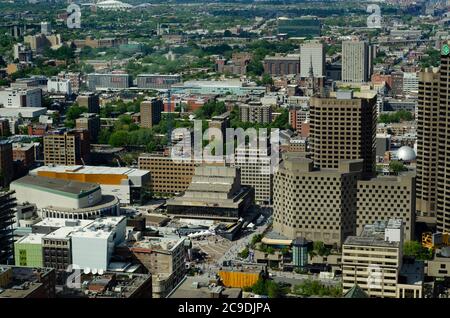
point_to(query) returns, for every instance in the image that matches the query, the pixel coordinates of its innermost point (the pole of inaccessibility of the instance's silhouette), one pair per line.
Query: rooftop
(32, 238)
(100, 228)
(130, 172)
(72, 187)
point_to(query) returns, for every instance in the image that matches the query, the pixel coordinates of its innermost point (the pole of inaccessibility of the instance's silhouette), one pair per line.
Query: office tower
(255, 112)
(427, 144)
(282, 65)
(373, 250)
(7, 204)
(256, 171)
(356, 61)
(91, 123)
(344, 127)
(6, 163)
(386, 197)
(67, 147)
(151, 112)
(319, 205)
(312, 53)
(89, 100)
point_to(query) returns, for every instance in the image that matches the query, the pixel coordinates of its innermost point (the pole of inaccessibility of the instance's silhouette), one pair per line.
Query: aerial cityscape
(224, 149)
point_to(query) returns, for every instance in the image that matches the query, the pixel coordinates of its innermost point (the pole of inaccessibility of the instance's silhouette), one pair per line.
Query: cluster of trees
(210, 109)
(269, 288)
(432, 57)
(320, 249)
(315, 288)
(73, 113)
(416, 250)
(397, 166)
(395, 117)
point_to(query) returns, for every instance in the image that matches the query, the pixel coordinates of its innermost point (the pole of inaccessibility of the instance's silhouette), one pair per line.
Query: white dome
(406, 153)
(113, 5)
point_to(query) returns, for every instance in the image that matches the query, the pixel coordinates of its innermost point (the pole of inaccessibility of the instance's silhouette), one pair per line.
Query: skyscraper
(427, 144)
(356, 61)
(443, 167)
(312, 52)
(344, 128)
(433, 134)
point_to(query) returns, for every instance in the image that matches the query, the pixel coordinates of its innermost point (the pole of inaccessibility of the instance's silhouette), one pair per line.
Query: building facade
(343, 128)
(319, 205)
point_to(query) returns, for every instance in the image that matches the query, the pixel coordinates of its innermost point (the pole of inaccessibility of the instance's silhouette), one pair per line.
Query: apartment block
(151, 112)
(89, 100)
(67, 147)
(356, 61)
(255, 112)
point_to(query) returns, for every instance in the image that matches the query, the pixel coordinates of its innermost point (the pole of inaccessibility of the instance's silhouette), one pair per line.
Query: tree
(416, 250)
(396, 166)
(119, 138)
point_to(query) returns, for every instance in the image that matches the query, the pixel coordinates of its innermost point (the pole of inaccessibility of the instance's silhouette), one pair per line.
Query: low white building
(93, 245)
(57, 85)
(21, 97)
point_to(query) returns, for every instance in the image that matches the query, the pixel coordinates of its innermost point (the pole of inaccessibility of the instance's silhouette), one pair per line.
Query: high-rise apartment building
(7, 203)
(91, 123)
(356, 61)
(255, 112)
(312, 54)
(151, 112)
(256, 171)
(344, 128)
(67, 147)
(89, 100)
(384, 198)
(319, 205)
(433, 200)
